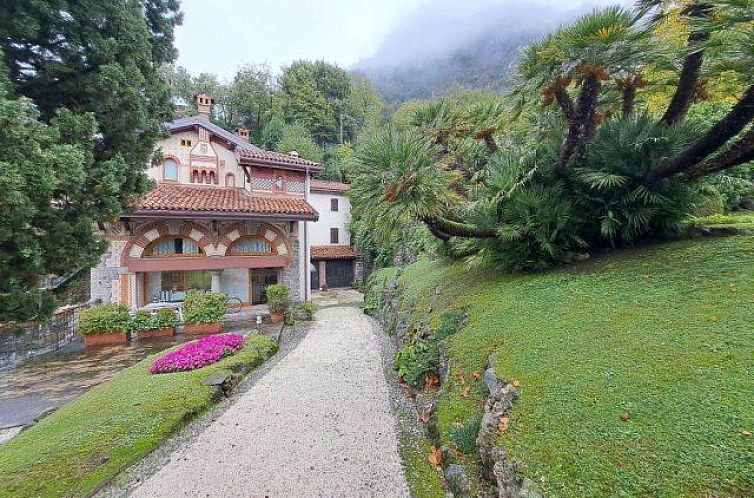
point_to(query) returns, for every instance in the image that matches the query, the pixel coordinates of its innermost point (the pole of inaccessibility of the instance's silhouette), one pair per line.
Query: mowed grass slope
(637, 369)
(89, 440)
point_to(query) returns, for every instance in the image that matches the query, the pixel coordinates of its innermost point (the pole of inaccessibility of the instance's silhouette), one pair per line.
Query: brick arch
(273, 234)
(150, 232)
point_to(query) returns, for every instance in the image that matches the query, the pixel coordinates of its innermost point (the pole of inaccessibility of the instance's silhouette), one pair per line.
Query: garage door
(339, 273)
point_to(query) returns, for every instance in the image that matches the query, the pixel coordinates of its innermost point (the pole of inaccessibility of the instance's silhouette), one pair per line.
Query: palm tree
(600, 46)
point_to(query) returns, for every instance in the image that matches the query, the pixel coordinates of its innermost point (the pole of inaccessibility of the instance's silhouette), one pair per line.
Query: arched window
(170, 170)
(195, 177)
(251, 245)
(173, 246)
(279, 182)
(230, 180)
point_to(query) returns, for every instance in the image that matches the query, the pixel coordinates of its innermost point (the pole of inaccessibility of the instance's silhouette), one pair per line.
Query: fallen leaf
(424, 417)
(435, 456)
(713, 318)
(625, 416)
(457, 425)
(407, 393)
(465, 392)
(502, 426)
(746, 433)
(431, 381)
(516, 383)
(477, 375)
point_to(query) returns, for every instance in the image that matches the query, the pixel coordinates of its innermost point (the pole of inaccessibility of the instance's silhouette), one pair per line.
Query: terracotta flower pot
(202, 328)
(277, 317)
(105, 339)
(156, 333)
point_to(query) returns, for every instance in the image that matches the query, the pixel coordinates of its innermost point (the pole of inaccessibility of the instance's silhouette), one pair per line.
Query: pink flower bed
(198, 354)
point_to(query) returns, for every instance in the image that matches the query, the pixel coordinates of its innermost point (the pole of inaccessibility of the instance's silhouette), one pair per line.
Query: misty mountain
(475, 44)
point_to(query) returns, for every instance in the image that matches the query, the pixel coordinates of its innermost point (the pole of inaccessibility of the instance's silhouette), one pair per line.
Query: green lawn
(91, 439)
(664, 334)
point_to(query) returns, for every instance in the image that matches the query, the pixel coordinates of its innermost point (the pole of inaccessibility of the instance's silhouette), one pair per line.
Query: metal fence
(40, 337)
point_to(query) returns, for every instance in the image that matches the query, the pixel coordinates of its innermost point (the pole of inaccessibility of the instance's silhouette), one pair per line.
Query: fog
(440, 27)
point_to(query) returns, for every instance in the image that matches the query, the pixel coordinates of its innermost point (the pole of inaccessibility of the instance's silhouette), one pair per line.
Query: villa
(225, 216)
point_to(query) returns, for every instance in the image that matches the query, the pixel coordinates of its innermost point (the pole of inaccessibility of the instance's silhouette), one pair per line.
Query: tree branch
(740, 115)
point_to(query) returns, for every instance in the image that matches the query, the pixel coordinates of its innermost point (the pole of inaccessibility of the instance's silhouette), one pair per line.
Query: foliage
(567, 164)
(124, 419)
(340, 163)
(650, 332)
(295, 137)
(204, 307)
(163, 318)
(80, 120)
(278, 298)
(305, 310)
(722, 219)
(105, 318)
(419, 358)
(464, 437)
(198, 354)
(272, 133)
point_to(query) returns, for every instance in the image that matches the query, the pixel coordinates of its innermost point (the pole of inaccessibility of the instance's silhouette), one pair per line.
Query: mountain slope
(441, 46)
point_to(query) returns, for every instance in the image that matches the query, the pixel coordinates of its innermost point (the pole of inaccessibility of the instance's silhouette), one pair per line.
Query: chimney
(293, 153)
(204, 105)
(243, 133)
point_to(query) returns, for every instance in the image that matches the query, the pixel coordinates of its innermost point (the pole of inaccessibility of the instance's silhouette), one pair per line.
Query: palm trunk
(692, 65)
(740, 115)
(629, 98)
(740, 153)
(456, 229)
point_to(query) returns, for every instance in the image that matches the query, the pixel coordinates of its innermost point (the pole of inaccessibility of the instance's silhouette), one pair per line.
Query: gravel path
(318, 424)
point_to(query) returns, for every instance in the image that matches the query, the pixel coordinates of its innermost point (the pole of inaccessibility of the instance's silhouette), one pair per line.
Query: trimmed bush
(198, 354)
(278, 298)
(164, 318)
(105, 318)
(204, 307)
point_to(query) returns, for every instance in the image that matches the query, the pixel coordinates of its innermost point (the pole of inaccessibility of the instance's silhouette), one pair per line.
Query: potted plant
(278, 301)
(202, 312)
(153, 326)
(105, 324)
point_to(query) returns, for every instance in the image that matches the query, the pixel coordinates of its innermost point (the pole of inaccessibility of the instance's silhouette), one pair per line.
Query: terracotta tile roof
(333, 252)
(329, 186)
(267, 156)
(171, 197)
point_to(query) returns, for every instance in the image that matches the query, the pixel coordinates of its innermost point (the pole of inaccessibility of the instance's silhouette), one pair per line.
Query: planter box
(105, 339)
(202, 328)
(156, 333)
(277, 317)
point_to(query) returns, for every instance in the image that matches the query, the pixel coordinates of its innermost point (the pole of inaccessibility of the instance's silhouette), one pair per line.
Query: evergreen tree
(82, 107)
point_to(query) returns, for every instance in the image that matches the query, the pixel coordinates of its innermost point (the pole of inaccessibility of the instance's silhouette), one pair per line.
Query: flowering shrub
(198, 354)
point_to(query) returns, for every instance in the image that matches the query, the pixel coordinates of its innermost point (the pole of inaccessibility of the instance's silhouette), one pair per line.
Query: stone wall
(105, 278)
(291, 274)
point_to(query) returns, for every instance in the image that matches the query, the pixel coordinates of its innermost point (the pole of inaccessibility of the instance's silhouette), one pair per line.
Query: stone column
(215, 274)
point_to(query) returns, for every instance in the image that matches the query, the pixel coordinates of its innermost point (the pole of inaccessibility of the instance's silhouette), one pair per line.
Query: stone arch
(150, 232)
(273, 234)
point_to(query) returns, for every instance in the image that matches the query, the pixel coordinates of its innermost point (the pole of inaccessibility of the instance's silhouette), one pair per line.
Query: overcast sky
(218, 36)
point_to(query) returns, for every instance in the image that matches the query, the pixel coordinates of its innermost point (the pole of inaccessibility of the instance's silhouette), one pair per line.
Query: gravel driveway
(318, 424)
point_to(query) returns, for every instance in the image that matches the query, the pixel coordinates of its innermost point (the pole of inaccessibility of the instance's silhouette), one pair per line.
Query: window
(179, 281)
(333, 236)
(185, 143)
(230, 180)
(173, 247)
(333, 204)
(170, 170)
(279, 182)
(251, 245)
